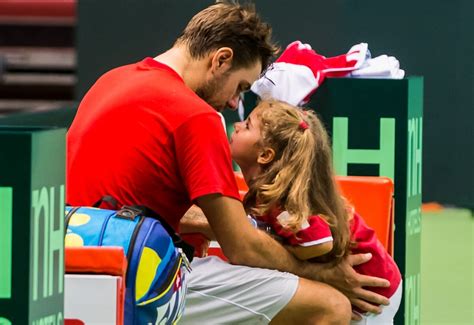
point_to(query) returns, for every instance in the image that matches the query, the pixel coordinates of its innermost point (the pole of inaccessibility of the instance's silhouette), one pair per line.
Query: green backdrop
(430, 38)
(32, 178)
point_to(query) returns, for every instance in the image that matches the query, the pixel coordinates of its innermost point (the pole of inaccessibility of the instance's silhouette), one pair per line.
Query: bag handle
(68, 218)
(107, 199)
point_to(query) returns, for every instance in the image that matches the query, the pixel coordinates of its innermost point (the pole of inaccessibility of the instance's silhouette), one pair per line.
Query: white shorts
(222, 293)
(388, 312)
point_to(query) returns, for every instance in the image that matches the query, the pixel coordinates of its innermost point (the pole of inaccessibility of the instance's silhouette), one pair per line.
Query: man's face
(224, 90)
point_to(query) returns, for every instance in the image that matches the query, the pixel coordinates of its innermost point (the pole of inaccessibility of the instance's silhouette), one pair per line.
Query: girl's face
(244, 142)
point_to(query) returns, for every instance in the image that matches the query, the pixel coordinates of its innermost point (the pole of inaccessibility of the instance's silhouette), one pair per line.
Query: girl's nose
(237, 126)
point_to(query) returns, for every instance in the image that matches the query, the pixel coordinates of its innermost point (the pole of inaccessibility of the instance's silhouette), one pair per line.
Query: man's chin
(218, 108)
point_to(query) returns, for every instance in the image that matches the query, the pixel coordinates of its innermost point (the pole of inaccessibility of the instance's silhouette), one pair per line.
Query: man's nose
(233, 103)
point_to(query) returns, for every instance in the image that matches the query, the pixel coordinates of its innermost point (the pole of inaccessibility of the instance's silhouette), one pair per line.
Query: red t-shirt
(316, 231)
(142, 136)
(381, 264)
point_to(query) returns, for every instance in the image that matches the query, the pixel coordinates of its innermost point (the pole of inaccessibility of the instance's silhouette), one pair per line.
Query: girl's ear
(266, 156)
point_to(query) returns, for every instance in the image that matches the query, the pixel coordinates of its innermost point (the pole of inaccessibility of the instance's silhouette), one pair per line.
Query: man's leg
(221, 293)
(315, 303)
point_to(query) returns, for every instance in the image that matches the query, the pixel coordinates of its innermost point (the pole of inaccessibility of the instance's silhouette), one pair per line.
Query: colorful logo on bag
(149, 262)
(169, 304)
(172, 311)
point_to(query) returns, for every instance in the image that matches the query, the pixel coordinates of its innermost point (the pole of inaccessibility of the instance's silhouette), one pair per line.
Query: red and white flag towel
(299, 71)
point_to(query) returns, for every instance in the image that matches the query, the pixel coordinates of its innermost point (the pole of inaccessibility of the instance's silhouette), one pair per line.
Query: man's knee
(338, 308)
(315, 303)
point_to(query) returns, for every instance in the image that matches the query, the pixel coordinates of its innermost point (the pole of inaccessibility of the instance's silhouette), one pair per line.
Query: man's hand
(344, 278)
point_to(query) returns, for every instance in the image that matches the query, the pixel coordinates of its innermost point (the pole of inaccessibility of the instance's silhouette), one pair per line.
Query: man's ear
(222, 60)
(266, 156)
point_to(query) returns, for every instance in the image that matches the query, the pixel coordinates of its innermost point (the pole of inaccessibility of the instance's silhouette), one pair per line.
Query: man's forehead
(252, 73)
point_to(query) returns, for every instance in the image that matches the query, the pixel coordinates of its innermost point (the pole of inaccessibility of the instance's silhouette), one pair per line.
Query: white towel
(382, 66)
(300, 70)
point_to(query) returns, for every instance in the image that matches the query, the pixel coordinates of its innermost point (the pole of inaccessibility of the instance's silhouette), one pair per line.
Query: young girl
(285, 157)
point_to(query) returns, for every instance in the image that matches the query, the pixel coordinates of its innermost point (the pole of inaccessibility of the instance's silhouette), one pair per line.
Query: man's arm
(194, 221)
(245, 245)
(242, 243)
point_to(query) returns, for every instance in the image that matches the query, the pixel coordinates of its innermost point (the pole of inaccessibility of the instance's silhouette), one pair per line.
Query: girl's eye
(246, 124)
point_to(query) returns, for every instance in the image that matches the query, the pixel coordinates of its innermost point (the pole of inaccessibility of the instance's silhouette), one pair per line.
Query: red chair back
(372, 197)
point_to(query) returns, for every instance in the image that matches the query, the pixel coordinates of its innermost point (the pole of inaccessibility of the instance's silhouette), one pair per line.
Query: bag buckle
(128, 212)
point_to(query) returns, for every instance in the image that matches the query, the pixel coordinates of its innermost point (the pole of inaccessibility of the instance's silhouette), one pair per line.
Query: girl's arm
(308, 252)
(313, 240)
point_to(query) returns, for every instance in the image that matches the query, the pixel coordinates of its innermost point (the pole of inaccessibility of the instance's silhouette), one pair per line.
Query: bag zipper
(186, 263)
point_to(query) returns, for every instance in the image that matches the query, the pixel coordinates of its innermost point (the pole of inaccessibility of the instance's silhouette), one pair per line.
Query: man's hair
(229, 24)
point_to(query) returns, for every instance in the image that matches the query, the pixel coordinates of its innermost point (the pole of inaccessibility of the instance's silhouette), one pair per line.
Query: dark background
(429, 38)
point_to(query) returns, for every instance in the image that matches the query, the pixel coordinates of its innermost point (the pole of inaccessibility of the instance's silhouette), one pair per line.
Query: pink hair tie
(303, 125)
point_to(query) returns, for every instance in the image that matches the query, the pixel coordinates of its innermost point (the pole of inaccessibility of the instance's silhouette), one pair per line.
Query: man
(148, 133)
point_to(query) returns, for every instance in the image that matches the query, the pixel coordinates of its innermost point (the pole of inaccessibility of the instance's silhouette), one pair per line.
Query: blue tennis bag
(156, 272)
